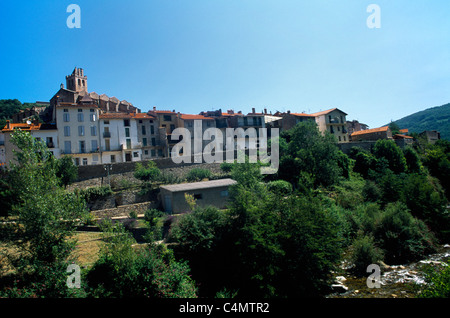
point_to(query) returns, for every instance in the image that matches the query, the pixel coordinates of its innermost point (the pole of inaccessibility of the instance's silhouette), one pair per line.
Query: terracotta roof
(193, 117)
(164, 112)
(326, 112)
(398, 136)
(302, 115)
(404, 131)
(370, 131)
(21, 126)
(115, 116)
(144, 116)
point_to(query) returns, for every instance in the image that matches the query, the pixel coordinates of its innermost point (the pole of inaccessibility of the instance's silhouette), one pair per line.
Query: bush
(226, 166)
(371, 192)
(125, 272)
(198, 174)
(149, 173)
(403, 237)
(364, 252)
(280, 187)
(95, 193)
(437, 282)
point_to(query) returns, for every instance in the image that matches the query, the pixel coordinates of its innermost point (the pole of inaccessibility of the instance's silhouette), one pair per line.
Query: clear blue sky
(194, 55)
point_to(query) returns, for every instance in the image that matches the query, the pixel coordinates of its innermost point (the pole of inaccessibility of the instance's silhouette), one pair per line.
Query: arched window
(79, 82)
(84, 83)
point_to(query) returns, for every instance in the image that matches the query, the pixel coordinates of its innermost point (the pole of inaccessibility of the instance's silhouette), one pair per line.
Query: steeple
(77, 81)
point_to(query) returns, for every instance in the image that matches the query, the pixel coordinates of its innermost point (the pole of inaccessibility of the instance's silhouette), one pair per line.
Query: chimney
(288, 111)
(154, 108)
(173, 111)
(62, 85)
(265, 110)
(253, 110)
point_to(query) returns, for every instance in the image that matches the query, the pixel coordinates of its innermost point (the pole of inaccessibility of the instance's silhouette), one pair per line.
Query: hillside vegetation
(435, 118)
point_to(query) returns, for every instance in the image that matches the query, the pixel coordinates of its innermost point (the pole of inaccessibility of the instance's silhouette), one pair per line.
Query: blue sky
(195, 55)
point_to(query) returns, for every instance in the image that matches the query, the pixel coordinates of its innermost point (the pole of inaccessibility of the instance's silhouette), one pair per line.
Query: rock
(339, 288)
(394, 295)
(383, 265)
(340, 279)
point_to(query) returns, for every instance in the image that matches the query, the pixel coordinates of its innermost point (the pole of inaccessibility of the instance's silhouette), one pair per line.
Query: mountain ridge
(433, 118)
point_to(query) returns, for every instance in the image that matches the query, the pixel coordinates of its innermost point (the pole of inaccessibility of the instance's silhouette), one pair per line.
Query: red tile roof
(194, 117)
(370, 131)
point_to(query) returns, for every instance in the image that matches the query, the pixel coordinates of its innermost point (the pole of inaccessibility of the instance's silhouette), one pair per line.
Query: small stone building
(207, 193)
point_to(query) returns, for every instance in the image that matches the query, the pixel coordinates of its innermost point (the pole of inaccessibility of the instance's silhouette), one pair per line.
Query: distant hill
(435, 118)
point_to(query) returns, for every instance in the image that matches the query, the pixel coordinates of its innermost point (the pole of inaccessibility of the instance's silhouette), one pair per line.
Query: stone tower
(77, 81)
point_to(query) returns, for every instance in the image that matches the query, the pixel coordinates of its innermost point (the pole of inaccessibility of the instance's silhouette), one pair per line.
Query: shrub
(392, 153)
(371, 192)
(149, 173)
(198, 174)
(438, 282)
(280, 187)
(364, 252)
(403, 237)
(95, 193)
(226, 166)
(125, 272)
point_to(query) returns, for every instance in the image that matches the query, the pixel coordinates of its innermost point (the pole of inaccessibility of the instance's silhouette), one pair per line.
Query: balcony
(106, 134)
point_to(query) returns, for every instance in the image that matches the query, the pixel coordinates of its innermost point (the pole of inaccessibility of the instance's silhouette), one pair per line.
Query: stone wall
(125, 210)
(368, 145)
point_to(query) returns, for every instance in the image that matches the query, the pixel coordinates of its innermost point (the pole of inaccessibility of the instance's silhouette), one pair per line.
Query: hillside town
(97, 129)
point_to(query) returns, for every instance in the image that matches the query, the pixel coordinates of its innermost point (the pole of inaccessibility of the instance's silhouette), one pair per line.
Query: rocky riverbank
(399, 281)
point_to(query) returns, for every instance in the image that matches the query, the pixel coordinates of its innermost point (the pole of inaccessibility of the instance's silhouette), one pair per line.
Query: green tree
(310, 151)
(124, 271)
(44, 214)
(66, 171)
(388, 150)
(413, 163)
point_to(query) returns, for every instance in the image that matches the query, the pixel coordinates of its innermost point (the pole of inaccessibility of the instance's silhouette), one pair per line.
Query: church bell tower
(77, 81)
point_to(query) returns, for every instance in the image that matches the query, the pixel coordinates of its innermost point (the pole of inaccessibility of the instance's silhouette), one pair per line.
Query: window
(135, 154)
(82, 145)
(144, 142)
(127, 132)
(190, 123)
(106, 122)
(143, 130)
(80, 130)
(67, 131)
(67, 147)
(128, 143)
(94, 145)
(85, 162)
(113, 158)
(66, 116)
(77, 161)
(107, 145)
(66, 110)
(126, 122)
(145, 152)
(93, 130)
(153, 141)
(152, 129)
(80, 117)
(92, 116)
(345, 139)
(331, 130)
(339, 138)
(338, 128)
(167, 118)
(208, 123)
(140, 121)
(198, 196)
(153, 152)
(224, 193)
